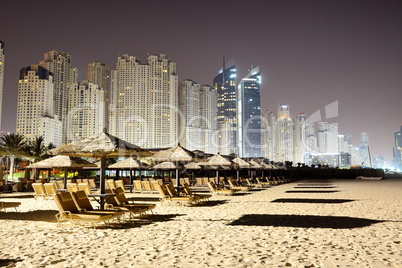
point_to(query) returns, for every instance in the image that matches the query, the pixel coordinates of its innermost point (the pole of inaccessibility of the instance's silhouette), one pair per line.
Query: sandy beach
(309, 223)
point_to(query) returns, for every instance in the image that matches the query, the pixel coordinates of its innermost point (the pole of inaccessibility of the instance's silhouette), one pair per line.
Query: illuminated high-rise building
(35, 106)
(189, 121)
(364, 149)
(2, 64)
(208, 123)
(59, 64)
(249, 115)
(225, 84)
(268, 126)
(299, 137)
(144, 101)
(87, 116)
(99, 73)
(284, 135)
(398, 149)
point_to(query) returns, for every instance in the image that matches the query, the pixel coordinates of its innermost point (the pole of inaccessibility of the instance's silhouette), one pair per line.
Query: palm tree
(37, 148)
(14, 146)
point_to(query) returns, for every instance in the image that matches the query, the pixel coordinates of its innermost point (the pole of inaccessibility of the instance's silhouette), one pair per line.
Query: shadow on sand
(314, 187)
(311, 192)
(144, 199)
(211, 203)
(305, 221)
(139, 222)
(311, 201)
(36, 215)
(8, 262)
(5, 196)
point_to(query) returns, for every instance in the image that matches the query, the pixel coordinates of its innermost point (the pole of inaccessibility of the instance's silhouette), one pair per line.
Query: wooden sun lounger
(181, 200)
(68, 212)
(215, 190)
(236, 187)
(188, 192)
(5, 205)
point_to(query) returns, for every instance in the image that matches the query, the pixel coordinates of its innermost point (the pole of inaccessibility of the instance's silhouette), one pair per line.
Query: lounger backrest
(163, 191)
(231, 183)
(119, 183)
(137, 185)
(186, 189)
(59, 184)
(121, 198)
(85, 187)
(110, 184)
(92, 183)
(81, 201)
(50, 188)
(171, 190)
(72, 187)
(212, 186)
(39, 189)
(146, 185)
(112, 200)
(65, 202)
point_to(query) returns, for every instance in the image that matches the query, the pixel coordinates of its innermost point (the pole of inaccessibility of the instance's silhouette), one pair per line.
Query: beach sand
(309, 223)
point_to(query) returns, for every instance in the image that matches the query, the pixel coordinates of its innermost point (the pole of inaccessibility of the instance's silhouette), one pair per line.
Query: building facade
(189, 119)
(208, 122)
(59, 64)
(249, 115)
(35, 106)
(299, 137)
(144, 101)
(225, 84)
(398, 149)
(2, 65)
(99, 73)
(284, 135)
(268, 126)
(86, 117)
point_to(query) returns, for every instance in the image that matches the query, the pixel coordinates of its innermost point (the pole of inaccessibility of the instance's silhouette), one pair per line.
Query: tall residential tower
(225, 84)
(2, 59)
(249, 115)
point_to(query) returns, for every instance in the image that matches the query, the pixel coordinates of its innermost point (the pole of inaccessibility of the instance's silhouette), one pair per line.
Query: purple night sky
(310, 53)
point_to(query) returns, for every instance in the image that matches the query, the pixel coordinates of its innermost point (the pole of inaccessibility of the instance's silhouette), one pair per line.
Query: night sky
(310, 53)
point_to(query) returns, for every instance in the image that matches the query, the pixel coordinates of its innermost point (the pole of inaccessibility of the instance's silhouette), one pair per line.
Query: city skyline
(311, 54)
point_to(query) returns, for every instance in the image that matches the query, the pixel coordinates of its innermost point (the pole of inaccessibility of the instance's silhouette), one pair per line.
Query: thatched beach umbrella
(241, 164)
(192, 166)
(217, 162)
(175, 155)
(62, 161)
(101, 146)
(127, 164)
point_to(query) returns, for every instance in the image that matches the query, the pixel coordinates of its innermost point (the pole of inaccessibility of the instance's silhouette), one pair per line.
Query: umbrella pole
(217, 177)
(177, 178)
(238, 175)
(131, 177)
(48, 174)
(102, 181)
(65, 178)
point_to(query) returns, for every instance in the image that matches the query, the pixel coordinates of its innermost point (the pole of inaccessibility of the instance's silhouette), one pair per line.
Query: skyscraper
(364, 149)
(144, 101)
(59, 64)
(189, 121)
(86, 116)
(225, 84)
(284, 135)
(2, 61)
(249, 115)
(99, 73)
(398, 149)
(268, 126)
(209, 125)
(35, 106)
(299, 137)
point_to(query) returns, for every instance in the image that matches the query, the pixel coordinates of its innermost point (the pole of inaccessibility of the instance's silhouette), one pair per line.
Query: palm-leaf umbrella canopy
(174, 154)
(165, 165)
(192, 166)
(62, 161)
(101, 146)
(129, 163)
(217, 160)
(254, 164)
(241, 163)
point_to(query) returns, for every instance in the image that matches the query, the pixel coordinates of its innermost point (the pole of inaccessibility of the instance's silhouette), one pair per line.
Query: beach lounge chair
(263, 183)
(72, 187)
(235, 187)
(122, 200)
(110, 184)
(146, 186)
(181, 200)
(5, 205)
(68, 212)
(154, 183)
(137, 186)
(223, 191)
(130, 209)
(50, 188)
(84, 205)
(39, 190)
(120, 183)
(92, 183)
(59, 184)
(85, 187)
(188, 192)
(249, 183)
